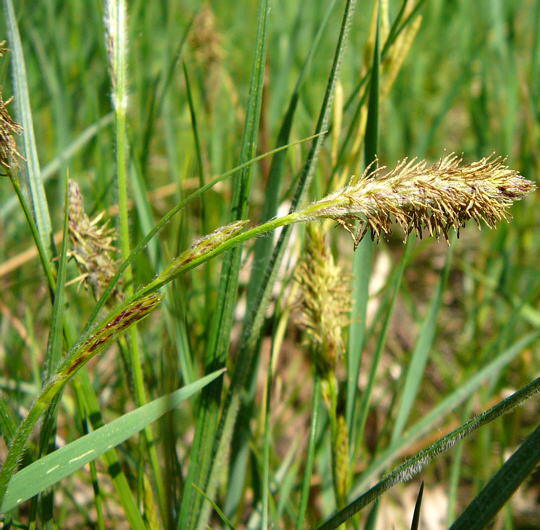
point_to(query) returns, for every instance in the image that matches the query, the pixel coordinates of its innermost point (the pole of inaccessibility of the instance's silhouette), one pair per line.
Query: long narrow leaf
(263, 252)
(381, 342)
(362, 269)
(448, 404)
(54, 355)
(207, 421)
(306, 482)
(503, 484)
(414, 465)
(244, 368)
(65, 461)
(32, 174)
(416, 368)
(263, 247)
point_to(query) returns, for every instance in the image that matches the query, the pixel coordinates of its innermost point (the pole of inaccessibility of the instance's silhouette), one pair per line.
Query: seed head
(9, 155)
(106, 332)
(202, 247)
(205, 39)
(206, 43)
(325, 302)
(419, 196)
(92, 241)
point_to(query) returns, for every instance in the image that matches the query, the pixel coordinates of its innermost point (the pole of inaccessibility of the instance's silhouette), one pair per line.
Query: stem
(267, 443)
(118, 55)
(415, 464)
(42, 251)
(172, 272)
(306, 484)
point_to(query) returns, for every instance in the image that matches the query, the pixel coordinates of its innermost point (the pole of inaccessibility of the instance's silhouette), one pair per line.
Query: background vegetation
(437, 332)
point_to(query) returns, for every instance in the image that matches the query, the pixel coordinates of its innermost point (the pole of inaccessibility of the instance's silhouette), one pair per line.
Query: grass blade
(500, 488)
(65, 461)
(218, 344)
(267, 442)
(54, 345)
(42, 251)
(362, 262)
(32, 173)
(244, 368)
(372, 123)
(306, 483)
(415, 524)
(53, 357)
(217, 509)
(361, 270)
(91, 415)
(264, 246)
(8, 426)
(414, 465)
(381, 341)
(417, 365)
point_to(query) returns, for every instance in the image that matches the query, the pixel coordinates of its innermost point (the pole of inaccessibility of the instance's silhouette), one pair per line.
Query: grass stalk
(306, 481)
(192, 509)
(117, 39)
(413, 466)
(244, 369)
(32, 173)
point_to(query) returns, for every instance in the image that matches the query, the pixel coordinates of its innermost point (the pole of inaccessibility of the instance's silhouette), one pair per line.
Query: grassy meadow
(189, 335)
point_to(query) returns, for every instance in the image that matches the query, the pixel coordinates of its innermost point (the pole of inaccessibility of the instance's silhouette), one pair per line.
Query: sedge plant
(181, 469)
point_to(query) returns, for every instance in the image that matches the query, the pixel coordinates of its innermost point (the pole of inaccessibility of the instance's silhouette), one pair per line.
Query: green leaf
(219, 338)
(414, 465)
(247, 355)
(438, 413)
(54, 354)
(54, 344)
(306, 482)
(8, 427)
(362, 273)
(502, 485)
(381, 341)
(417, 365)
(372, 123)
(217, 509)
(32, 173)
(50, 469)
(263, 251)
(263, 246)
(416, 516)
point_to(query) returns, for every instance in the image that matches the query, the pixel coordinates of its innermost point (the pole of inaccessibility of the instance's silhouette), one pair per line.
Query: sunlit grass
(150, 114)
